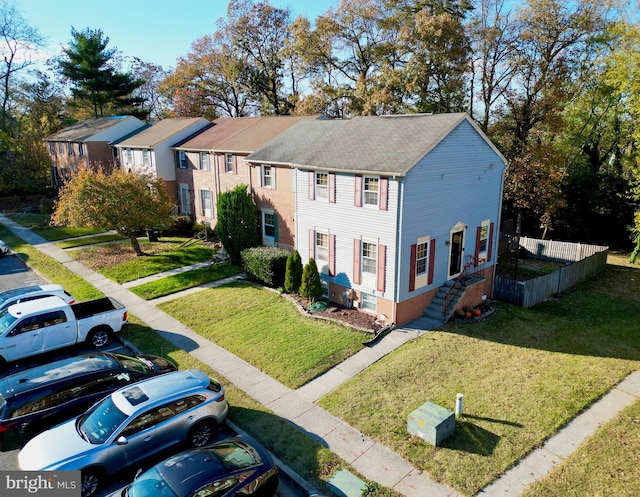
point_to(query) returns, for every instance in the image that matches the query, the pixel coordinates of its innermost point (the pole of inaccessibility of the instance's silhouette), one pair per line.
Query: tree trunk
(135, 244)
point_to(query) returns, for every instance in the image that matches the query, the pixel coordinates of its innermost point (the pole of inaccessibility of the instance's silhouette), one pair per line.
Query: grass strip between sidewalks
(182, 281)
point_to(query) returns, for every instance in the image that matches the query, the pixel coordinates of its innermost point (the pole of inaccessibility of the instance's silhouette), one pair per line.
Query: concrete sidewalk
(371, 459)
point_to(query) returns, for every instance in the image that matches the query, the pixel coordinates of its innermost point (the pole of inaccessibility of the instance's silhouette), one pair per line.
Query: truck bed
(92, 307)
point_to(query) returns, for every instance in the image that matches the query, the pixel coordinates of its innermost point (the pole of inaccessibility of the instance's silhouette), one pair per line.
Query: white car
(27, 293)
(4, 248)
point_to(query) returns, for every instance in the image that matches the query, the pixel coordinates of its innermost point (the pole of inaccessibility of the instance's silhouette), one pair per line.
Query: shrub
(182, 226)
(311, 286)
(265, 264)
(293, 273)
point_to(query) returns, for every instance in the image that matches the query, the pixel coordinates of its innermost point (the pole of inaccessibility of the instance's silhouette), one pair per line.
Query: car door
(24, 339)
(57, 330)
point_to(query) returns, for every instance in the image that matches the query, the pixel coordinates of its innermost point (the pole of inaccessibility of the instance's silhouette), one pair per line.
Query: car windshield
(100, 422)
(133, 364)
(150, 484)
(236, 455)
(6, 320)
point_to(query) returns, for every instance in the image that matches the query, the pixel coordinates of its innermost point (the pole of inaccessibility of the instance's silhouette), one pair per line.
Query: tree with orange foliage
(126, 202)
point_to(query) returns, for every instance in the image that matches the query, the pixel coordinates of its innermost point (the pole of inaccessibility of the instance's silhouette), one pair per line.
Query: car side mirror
(122, 440)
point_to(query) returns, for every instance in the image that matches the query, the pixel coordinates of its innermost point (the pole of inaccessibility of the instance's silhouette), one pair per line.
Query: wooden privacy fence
(581, 262)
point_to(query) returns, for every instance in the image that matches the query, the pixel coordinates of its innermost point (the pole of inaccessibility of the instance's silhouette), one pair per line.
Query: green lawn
(266, 330)
(182, 281)
(524, 374)
(39, 223)
(80, 241)
(119, 262)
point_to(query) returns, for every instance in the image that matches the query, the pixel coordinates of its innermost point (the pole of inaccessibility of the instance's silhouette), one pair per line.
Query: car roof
(203, 465)
(48, 374)
(23, 290)
(154, 390)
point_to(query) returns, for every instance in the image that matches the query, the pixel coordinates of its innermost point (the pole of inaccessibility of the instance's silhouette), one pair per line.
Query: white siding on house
(347, 222)
(458, 181)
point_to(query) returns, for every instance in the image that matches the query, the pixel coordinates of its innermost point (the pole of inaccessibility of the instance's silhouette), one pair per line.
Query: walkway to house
(371, 459)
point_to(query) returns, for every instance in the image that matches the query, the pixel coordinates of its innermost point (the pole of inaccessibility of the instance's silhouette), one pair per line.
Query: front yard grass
(39, 223)
(266, 330)
(120, 263)
(182, 281)
(524, 374)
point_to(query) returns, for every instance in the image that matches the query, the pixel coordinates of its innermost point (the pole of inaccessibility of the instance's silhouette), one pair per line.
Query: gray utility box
(432, 423)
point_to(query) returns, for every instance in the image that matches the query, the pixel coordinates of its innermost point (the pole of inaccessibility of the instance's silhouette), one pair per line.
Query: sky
(156, 31)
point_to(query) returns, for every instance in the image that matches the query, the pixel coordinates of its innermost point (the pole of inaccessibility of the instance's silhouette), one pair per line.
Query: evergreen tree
(311, 286)
(237, 228)
(293, 274)
(88, 64)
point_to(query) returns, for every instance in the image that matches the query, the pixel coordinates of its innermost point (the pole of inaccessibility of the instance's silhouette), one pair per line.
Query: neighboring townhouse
(87, 143)
(393, 208)
(213, 162)
(150, 149)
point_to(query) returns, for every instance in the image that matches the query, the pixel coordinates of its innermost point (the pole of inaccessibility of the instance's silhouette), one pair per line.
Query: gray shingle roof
(388, 145)
(85, 129)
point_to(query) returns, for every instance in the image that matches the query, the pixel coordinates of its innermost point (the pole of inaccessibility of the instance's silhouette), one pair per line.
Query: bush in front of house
(311, 286)
(293, 273)
(265, 264)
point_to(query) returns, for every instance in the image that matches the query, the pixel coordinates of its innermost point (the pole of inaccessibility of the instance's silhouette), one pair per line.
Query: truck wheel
(99, 338)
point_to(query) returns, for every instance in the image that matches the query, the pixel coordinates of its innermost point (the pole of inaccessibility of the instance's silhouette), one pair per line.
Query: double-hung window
(129, 156)
(268, 179)
(81, 149)
(422, 258)
(70, 148)
(484, 237)
(146, 157)
(228, 163)
(60, 147)
(206, 202)
(369, 257)
(322, 247)
(371, 190)
(322, 185)
(204, 162)
(183, 162)
(52, 148)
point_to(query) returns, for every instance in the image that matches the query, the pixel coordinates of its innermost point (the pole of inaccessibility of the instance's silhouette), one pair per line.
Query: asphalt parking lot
(14, 273)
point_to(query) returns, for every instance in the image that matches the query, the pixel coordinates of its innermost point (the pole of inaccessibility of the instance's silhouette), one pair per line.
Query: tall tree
(259, 32)
(88, 65)
(153, 102)
(122, 201)
(212, 80)
(19, 41)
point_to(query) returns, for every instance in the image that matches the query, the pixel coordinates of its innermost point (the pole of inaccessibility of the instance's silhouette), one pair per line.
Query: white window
(371, 189)
(322, 247)
(268, 177)
(228, 163)
(369, 257)
(128, 156)
(81, 149)
(185, 205)
(146, 158)
(204, 161)
(484, 237)
(206, 202)
(368, 302)
(70, 148)
(322, 185)
(183, 162)
(422, 258)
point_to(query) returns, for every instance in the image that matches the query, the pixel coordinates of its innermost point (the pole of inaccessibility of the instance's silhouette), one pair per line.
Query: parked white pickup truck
(34, 327)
